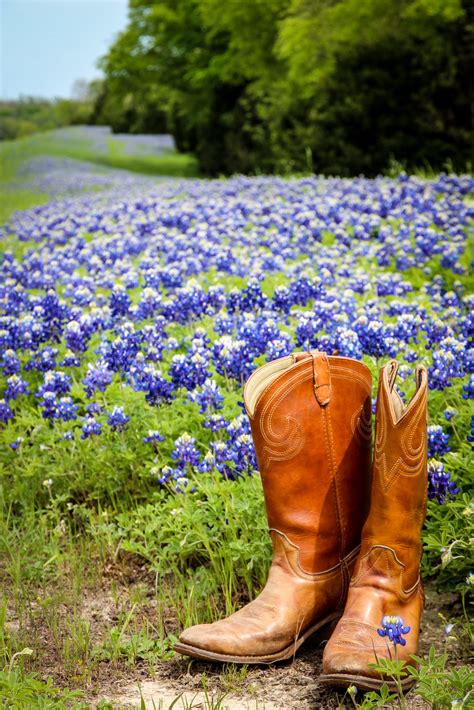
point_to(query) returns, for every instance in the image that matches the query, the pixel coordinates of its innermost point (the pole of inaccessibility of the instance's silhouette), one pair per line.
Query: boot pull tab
(419, 376)
(392, 369)
(321, 378)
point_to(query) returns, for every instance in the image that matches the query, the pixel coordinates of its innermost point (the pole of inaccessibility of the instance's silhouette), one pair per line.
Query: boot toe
(349, 662)
(352, 648)
(199, 636)
(213, 638)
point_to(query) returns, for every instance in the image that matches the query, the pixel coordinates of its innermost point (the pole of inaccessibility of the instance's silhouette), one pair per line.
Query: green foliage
(29, 115)
(435, 683)
(208, 549)
(19, 691)
(288, 85)
(440, 686)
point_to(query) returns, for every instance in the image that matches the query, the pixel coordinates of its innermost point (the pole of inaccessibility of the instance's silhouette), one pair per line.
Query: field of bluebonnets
(131, 314)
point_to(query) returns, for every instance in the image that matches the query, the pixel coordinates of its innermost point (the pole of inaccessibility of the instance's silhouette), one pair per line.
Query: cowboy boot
(386, 579)
(310, 416)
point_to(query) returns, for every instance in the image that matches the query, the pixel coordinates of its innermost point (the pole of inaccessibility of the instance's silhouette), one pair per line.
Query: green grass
(68, 143)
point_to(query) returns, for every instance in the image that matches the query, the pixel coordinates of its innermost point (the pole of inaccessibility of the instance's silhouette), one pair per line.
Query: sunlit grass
(70, 143)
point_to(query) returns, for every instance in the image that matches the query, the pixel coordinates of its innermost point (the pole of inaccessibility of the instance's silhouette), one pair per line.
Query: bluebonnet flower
(256, 331)
(189, 371)
(438, 441)
(347, 343)
(167, 475)
(208, 397)
(9, 363)
(117, 419)
(54, 313)
(68, 436)
(304, 289)
(372, 334)
(468, 389)
(185, 451)
(94, 408)
(308, 328)
(283, 345)
(91, 427)
(282, 299)
(48, 404)
(120, 301)
(5, 411)
(76, 338)
(447, 363)
(232, 358)
(98, 378)
(148, 304)
(407, 326)
(70, 359)
(65, 409)
(436, 330)
(120, 353)
(392, 628)
(43, 360)
(183, 484)
(148, 379)
(410, 355)
(199, 340)
(16, 386)
(224, 324)
(440, 485)
(449, 413)
(207, 463)
(153, 437)
(252, 297)
(54, 381)
(15, 444)
(215, 422)
(242, 455)
(470, 436)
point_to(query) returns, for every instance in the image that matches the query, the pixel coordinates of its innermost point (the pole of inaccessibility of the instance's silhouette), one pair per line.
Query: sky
(45, 45)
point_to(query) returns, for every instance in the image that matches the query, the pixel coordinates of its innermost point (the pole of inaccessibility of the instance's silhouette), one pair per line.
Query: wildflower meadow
(133, 309)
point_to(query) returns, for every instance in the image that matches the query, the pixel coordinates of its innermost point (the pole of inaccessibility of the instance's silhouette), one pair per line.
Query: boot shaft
(399, 478)
(310, 416)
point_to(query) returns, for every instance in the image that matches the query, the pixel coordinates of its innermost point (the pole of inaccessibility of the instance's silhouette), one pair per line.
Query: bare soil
(287, 686)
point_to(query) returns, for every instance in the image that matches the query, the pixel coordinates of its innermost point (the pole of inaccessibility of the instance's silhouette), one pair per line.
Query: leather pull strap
(392, 369)
(321, 378)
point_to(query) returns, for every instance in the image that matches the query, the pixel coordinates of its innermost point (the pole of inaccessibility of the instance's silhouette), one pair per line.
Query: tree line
(334, 86)
(32, 114)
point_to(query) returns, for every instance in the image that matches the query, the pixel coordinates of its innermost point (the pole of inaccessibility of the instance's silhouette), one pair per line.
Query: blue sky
(45, 45)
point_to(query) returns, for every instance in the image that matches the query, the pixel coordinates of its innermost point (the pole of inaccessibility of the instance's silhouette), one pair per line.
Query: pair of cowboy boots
(346, 544)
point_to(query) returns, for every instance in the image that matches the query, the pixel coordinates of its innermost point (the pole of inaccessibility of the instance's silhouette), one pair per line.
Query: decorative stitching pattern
(286, 444)
(410, 462)
(361, 422)
(347, 374)
(382, 556)
(335, 570)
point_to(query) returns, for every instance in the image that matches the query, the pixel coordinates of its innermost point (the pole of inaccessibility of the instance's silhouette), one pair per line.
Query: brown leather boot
(311, 423)
(386, 579)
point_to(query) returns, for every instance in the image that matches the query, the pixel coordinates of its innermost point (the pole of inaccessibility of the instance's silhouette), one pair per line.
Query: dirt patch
(288, 686)
(103, 608)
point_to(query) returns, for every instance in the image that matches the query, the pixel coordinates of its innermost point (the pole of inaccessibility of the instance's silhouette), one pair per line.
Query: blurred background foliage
(282, 86)
(29, 114)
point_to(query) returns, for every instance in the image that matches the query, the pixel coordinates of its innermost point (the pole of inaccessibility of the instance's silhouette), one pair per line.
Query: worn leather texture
(386, 578)
(311, 426)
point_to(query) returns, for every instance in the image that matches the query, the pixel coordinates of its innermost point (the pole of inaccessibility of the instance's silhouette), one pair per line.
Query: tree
(280, 85)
